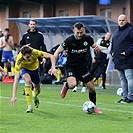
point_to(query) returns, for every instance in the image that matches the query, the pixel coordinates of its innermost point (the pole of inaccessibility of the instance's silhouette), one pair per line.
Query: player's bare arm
(95, 47)
(58, 51)
(53, 62)
(15, 86)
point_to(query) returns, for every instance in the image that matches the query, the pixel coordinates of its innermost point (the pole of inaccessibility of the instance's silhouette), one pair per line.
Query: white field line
(72, 105)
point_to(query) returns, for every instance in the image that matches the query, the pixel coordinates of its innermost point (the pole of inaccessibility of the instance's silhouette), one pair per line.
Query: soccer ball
(88, 107)
(119, 91)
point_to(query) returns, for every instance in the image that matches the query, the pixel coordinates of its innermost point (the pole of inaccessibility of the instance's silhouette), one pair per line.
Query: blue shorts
(7, 55)
(33, 74)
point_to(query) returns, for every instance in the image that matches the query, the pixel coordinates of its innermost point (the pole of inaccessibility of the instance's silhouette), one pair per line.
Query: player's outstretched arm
(95, 47)
(15, 86)
(53, 70)
(58, 51)
(3, 72)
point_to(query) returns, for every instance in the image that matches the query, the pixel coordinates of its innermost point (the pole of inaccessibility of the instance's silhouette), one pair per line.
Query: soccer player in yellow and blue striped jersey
(27, 65)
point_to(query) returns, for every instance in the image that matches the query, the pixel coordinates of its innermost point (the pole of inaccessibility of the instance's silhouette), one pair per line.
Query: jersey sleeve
(39, 53)
(90, 40)
(66, 43)
(18, 65)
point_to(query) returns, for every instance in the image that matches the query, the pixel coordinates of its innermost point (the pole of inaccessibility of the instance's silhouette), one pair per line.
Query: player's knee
(28, 81)
(5, 64)
(38, 90)
(91, 89)
(72, 85)
(12, 64)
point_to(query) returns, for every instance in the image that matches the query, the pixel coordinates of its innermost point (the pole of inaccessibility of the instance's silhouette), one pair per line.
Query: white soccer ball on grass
(89, 107)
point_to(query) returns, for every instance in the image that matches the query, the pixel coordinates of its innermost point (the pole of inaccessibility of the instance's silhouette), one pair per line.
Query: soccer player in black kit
(77, 65)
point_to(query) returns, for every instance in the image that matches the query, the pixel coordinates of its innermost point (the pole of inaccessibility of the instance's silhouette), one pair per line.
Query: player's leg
(5, 67)
(104, 75)
(12, 68)
(71, 81)
(87, 78)
(28, 90)
(70, 84)
(36, 84)
(58, 77)
(92, 94)
(75, 89)
(5, 60)
(10, 56)
(92, 91)
(35, 93)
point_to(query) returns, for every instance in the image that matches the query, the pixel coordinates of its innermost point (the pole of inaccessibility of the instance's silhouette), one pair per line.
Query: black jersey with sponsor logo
(77, 49)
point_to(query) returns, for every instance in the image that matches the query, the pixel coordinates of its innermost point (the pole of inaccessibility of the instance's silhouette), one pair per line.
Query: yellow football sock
(35, 93)
(13, 70)
(5, 69)
(28, 93)
(58, 77)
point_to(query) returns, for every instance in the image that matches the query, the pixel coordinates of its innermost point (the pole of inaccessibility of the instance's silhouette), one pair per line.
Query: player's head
(32, 24)
(79, 30)
(6, 31)
(26, 52)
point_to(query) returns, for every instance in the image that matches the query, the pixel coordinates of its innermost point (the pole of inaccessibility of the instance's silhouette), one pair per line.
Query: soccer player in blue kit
(76, 66)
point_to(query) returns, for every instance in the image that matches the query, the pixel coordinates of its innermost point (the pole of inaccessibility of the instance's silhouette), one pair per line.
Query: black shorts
(81, 73)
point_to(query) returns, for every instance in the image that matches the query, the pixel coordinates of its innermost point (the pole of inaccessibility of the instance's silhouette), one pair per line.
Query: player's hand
(4, 74)
(97, 49)
(13, 100)
(53, 71)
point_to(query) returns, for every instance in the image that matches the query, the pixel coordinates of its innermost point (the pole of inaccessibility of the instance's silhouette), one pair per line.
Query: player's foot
(36, 101)
(103, 86)
(64, 90)
(29, 110)
(97, 111)
(75, 89)
(83, 89)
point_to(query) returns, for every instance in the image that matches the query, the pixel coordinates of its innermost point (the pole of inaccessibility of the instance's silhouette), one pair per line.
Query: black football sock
(67, 85)
(92, 97)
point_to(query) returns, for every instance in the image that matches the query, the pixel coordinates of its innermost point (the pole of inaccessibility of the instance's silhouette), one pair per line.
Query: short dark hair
(78, 25)
(26, 50)
(33, 20)
(7, 29)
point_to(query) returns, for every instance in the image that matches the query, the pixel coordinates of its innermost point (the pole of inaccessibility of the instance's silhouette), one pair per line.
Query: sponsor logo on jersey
(85, 43)
(79, 51)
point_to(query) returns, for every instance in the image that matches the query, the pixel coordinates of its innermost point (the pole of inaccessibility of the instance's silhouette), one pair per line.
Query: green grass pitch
(57, 115)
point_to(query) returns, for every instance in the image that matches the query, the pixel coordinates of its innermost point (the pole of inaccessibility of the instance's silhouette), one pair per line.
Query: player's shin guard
(92, 97)
(13, 70)
(58, 77)
(5, 69)
(28, 93)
